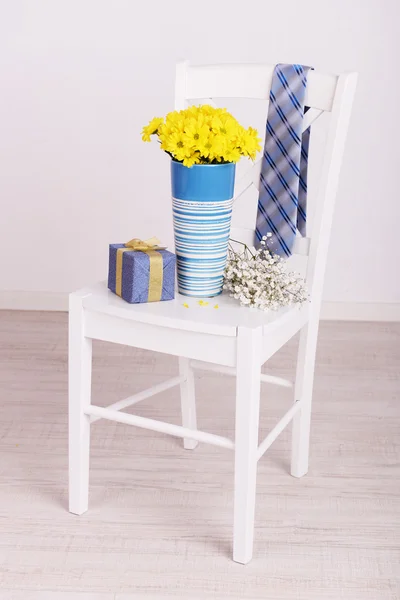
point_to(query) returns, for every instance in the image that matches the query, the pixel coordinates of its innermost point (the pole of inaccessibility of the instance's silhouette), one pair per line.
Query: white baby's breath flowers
(260, 279)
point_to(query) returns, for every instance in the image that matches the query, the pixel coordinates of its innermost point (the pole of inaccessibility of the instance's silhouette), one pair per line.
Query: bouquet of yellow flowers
(203, 135)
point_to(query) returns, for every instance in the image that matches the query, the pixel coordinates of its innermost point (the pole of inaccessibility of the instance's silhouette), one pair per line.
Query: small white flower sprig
(260, 278)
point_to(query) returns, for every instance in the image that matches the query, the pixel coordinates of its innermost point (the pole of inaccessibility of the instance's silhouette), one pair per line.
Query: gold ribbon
(150, 247)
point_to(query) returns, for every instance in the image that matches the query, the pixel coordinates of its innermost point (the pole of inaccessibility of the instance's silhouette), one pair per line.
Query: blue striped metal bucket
(202, 210)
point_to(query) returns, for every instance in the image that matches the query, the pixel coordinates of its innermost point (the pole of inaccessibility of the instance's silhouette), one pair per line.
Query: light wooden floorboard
(160, 518)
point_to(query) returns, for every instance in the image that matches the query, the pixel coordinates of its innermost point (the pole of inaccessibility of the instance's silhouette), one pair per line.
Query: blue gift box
(135, 275)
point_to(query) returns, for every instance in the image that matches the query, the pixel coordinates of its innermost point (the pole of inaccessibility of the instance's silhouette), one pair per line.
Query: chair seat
(224, 320)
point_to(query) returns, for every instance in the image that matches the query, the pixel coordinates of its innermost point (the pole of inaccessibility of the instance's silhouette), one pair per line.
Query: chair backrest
(331, 94)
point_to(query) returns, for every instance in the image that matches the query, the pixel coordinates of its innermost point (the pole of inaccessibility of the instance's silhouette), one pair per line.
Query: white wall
(79, 78)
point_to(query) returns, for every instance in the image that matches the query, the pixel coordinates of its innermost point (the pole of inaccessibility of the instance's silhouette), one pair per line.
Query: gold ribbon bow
(150, 247)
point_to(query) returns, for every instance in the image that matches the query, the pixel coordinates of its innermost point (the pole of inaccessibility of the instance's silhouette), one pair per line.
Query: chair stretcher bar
(160, 426)
(156, 389)
(199, 364)
(279, 427)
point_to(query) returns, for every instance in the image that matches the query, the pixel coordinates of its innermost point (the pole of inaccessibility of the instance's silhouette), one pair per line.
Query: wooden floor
(160, 518)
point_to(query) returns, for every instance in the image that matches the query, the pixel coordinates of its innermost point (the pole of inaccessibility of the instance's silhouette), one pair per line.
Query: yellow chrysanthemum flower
(193, 111)
(175, 144)
(250, 143)
(232, 155)
(151, 128)
(196, 132)
(210, 111)
(175, 121)
(203, 135)
(191, 160)
(209, 147)
(225, 124)
(164, 131)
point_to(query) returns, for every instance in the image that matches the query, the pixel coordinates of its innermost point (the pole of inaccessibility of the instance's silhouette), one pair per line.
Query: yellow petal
(185, 305)
(216, 306)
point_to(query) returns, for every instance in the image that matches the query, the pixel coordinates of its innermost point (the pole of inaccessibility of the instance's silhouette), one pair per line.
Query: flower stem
(242, 244)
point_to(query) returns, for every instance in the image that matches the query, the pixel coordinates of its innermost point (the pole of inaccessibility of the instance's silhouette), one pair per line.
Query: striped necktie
(282, 201)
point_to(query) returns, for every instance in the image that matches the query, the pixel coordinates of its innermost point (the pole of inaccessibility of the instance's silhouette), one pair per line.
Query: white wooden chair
(233, 339)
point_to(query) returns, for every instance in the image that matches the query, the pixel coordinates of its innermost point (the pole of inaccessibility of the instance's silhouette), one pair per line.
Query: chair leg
(80, 369)
(246, 441)
(303, 393)
(188, 401)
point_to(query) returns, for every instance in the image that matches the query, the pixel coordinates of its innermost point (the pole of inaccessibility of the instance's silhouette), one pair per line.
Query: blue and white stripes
(282, 204)
(202, 209)
(201, 232)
